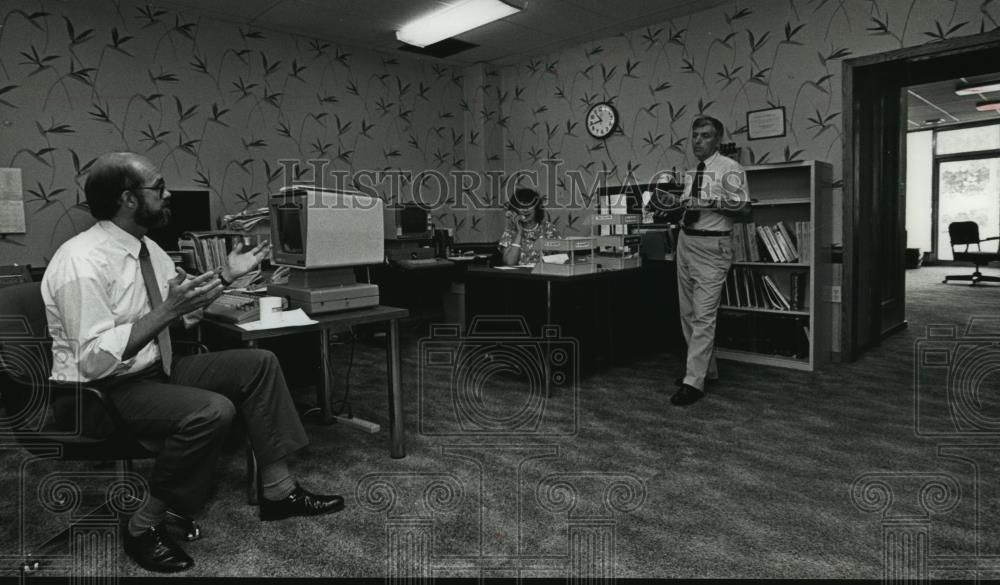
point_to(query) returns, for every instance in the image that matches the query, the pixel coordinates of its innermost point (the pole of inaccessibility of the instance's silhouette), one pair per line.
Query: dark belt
(706, 233)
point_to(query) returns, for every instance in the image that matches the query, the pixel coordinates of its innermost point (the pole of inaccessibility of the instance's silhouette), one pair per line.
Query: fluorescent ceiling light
(974, 88)
(988, 106)
(453, 20)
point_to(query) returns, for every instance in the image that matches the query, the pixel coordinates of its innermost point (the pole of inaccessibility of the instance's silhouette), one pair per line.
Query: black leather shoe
(155, 551)
(680, 381)
(686, 395)
(300, 503)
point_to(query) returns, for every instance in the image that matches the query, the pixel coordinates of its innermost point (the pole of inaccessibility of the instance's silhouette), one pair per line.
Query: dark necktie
(153, 291)
(691, 215)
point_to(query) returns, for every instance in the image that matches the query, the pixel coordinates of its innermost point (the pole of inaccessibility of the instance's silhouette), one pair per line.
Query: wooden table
(331, 323)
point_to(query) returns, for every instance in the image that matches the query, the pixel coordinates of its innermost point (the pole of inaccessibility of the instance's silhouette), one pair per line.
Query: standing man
(110, 296)
(715, 193)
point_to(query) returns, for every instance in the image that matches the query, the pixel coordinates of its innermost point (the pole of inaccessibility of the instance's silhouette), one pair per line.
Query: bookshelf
(208, 250)
(754, 325)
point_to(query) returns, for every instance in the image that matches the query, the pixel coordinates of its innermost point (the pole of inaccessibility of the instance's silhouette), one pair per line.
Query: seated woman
(526, 224)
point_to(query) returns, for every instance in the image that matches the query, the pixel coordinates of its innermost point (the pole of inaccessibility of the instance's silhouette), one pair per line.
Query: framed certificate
(769, 123)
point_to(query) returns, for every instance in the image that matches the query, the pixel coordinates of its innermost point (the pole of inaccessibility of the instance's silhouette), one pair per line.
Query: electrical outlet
(835, 294)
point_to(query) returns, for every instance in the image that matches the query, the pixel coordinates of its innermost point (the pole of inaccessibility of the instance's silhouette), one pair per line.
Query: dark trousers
(192, 411)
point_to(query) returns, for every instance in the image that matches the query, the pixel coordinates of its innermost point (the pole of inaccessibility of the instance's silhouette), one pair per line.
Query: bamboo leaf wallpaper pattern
(219, 106)
(724, 61)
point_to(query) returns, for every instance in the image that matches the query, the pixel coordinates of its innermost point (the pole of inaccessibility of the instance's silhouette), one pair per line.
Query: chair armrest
(98, 395)
(189, 347)
(94, 404)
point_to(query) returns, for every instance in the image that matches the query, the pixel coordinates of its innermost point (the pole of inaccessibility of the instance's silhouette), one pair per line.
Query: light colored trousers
(702, 265)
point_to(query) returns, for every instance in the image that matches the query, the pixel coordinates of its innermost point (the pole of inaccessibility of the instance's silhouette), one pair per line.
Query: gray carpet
(754, 481)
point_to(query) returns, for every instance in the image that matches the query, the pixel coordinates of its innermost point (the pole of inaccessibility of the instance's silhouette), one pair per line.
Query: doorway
(874, 173)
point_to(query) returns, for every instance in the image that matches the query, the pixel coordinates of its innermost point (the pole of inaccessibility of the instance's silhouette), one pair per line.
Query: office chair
(45, 417)
(967, 233)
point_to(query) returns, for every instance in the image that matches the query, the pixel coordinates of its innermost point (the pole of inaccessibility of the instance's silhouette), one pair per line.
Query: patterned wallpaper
(725, 61)
(217, 106)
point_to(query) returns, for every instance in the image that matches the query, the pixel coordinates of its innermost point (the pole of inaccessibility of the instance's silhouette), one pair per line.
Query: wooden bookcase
(789, 192)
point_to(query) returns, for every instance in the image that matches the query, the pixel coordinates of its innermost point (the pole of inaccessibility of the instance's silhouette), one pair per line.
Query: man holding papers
(714, 194)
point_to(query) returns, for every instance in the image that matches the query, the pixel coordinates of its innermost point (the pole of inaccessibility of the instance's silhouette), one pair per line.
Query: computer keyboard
(235, 307)
(423, 262)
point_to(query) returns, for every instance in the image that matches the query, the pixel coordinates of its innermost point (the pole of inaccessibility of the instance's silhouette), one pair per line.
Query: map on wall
(11, 202)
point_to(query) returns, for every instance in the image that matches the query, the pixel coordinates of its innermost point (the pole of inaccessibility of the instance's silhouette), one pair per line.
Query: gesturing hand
(241, 261)
(188, 294)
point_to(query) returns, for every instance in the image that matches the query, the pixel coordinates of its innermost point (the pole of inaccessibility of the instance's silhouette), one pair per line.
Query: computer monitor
(190, 211)
(408, 222)
(321, 234)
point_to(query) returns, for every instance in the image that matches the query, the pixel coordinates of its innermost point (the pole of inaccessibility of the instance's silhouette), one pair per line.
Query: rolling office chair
(967, 233)
(45, 417)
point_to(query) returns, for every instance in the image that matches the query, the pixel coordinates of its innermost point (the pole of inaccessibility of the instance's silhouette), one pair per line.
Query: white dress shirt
(725, 181)
(93, 292)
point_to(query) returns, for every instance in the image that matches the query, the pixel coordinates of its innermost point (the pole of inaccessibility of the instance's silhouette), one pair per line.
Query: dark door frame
(874, 175)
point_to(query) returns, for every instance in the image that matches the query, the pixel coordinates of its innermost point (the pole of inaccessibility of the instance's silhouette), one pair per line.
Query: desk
(341, 321)
(419, 290)
(614, 315)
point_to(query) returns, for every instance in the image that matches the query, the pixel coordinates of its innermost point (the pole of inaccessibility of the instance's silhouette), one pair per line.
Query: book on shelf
(776, 243)
(803, 234)
(737, 237)
(210, 250)
(798, 297)
(746, 287)
(773, 253)
(782, 302)
(751, 234)
(787, 240)
(768, 334)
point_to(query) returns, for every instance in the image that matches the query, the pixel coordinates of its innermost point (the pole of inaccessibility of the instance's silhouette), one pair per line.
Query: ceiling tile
(544, 26)
(501, 34)
(395, 14)
(228, 10)
(937, 100)
(327, 21)
(553, 18)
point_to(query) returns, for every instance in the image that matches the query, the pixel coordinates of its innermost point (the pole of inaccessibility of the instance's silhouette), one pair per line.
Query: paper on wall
(11, 202)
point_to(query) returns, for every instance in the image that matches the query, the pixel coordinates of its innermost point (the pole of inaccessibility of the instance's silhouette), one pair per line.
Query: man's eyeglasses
(159, 188)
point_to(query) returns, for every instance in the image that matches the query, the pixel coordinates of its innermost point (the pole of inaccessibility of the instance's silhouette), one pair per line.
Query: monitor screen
(413, 219)
(407, 222)
(190, 211)
(325, 228)
(290, 228)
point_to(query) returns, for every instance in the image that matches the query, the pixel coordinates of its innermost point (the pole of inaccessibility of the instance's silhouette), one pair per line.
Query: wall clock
(602, 120)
